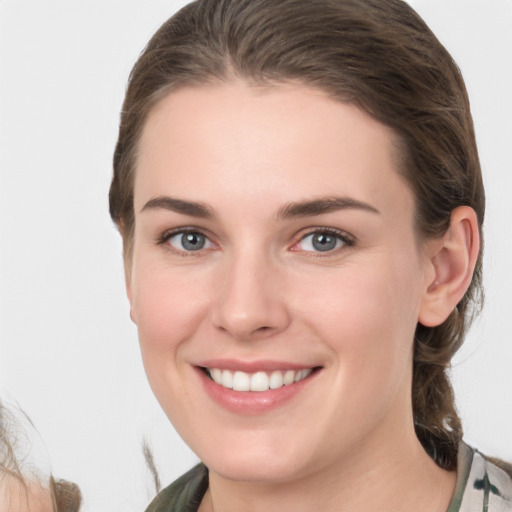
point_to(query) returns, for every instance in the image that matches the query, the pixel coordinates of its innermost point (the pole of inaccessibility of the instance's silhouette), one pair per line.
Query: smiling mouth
(258, 381)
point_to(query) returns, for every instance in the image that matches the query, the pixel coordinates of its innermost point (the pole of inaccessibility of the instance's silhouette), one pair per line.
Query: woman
(298, 190)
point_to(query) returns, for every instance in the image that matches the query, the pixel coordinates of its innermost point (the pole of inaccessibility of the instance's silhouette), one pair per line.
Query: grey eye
(324, 242)
(189, 241)
(321, 242)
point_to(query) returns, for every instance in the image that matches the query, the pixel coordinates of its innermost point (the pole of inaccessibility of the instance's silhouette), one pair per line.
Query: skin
(18, 497)
(259, 290)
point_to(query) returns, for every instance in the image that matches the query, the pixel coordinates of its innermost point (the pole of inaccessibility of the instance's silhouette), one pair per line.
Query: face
(18, 497)
(276, 279)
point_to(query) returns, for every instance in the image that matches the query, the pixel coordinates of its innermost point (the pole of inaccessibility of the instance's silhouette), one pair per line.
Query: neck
(390, 474)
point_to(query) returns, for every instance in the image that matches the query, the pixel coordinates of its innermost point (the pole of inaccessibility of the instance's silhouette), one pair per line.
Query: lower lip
(252, 402)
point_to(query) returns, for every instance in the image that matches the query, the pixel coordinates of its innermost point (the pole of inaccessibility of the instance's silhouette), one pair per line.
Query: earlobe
(453, 260)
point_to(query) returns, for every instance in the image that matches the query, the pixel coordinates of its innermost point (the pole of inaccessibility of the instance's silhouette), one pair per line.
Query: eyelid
(347, 239)
(163, 240)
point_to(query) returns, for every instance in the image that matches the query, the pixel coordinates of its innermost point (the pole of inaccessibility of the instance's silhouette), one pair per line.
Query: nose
(250, 301)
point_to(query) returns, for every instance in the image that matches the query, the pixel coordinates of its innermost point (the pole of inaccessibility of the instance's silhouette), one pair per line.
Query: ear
(452, 259)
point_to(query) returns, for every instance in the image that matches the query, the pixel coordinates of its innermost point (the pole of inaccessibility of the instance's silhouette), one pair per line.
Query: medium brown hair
(376, 54)
(14, 438)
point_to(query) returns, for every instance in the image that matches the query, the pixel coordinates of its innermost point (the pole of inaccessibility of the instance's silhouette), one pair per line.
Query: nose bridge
(250, 302)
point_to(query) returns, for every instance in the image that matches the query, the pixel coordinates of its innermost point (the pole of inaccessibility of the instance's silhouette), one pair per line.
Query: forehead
(286, 139)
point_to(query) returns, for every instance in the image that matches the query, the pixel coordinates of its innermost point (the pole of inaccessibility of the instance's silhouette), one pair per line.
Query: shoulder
(184, 494)
(481, 484)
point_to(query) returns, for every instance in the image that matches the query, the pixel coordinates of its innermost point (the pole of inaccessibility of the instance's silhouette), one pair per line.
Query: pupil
(193, 241)
(323, 242)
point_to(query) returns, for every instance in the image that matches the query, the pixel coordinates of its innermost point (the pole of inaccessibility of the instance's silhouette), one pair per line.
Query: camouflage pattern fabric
(183, 495)
(481, 485)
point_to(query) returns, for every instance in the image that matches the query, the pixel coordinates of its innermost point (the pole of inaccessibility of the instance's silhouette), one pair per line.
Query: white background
(68, 352)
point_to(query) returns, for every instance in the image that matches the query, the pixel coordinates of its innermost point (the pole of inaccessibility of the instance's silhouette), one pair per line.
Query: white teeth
(289, 377)
(216, 375)
(227, 379)
(276, 380)
(259, 381)
(302, 374)
(241, 381)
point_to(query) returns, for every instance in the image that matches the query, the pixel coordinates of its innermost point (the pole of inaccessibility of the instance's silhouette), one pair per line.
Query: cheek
(375, 299)
(367, 314)
(166, 307)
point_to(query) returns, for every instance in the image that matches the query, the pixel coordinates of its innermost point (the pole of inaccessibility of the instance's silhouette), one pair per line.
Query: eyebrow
(292, 210)
(323, 205)
(191, 208)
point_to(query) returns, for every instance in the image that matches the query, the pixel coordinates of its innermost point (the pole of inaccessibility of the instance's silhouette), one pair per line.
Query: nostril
(243, 318)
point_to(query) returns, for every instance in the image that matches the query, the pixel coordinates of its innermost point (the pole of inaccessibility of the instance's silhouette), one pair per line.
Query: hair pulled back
(376, 54)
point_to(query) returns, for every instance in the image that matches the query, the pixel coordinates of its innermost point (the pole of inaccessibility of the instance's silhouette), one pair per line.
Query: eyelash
(346, 239)
(164, 239)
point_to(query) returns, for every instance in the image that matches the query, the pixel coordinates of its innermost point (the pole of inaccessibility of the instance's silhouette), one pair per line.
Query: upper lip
(253, 366)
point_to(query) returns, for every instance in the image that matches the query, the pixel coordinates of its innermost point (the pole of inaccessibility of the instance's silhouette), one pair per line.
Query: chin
(248, 469)
(258, 460)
